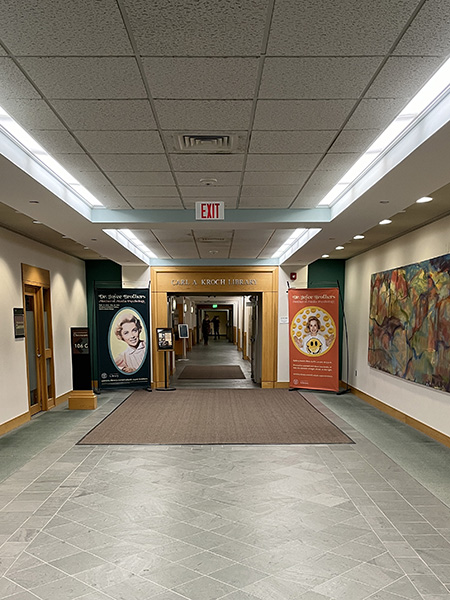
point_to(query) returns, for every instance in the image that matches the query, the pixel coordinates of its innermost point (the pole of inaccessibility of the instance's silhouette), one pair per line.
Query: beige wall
(68, 298)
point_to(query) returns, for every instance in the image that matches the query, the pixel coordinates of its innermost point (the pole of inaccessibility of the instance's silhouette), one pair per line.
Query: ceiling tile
(322, 180)
(316, 78)
(248, 243)
(212, 115)
(291, 141)
(428, 34)
(270, 191)
(265, 202)
(355, 140)
(275, 178)
(86, 78)
(207, 162)
(14, 83)
(64, 28)
(282, 162)
(58, 142)
(113, 115)
(307, 200)
(132, 162)
(212, 191)
(179, 27)
(290, 115)
(156, 203)
(31, 113)
(177, 249)
(275, 241)
(201, 78)
(120, 142)
(144, 178)
(403, 76)
(76, 163)
(342, 28)
(338, 162)
(149, 191)
(223, 178)
(375, 114)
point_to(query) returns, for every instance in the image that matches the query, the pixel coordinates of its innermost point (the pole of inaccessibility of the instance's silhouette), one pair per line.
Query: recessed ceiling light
(37, 222)
(384, 201)
(339, 247)
(93, 239)
(34, 201)
(213, 251)
(358, 237)
(325, 256)
(385, 222)
(86, 248)
(424, 199)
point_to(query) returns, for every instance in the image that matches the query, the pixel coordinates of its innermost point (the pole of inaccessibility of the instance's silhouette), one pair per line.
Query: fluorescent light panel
(20, 136)
(421, 101)
(131, 242)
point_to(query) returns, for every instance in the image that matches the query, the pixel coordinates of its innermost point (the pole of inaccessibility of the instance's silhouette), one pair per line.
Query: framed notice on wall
(19, 323)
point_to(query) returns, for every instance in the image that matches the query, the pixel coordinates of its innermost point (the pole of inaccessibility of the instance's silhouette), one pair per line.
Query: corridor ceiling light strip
(430, 92)
(128, 240)
(288, 243)
(20, 137)
(298, 242)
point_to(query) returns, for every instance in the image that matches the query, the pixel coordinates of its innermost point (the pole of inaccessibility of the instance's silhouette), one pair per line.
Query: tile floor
(366, 520)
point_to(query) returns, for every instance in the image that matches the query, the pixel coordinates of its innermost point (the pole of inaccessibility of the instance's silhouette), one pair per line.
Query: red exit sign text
(209, 211)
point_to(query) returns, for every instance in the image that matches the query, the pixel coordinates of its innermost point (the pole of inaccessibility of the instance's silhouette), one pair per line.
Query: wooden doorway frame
(218, 280)
(36, 282)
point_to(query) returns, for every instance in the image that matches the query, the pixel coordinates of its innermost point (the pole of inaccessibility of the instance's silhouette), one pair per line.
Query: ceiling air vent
(210, 240)
(205, 143)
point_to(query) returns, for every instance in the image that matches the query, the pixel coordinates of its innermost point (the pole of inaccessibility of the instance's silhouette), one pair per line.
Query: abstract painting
(409, 331)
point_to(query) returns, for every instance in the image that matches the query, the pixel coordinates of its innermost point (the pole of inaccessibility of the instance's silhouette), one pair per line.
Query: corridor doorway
(39, 339)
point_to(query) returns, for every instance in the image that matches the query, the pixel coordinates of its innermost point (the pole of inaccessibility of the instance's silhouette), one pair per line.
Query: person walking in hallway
(216, 327)
(206, 324)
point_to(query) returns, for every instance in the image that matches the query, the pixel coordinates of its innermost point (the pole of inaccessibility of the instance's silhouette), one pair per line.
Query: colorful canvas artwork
(409, 331)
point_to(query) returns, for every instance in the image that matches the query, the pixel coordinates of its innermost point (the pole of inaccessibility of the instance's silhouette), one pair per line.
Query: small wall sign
(19, 323)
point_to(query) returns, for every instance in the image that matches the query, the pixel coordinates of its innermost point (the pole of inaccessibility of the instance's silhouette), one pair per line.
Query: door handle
(39, 355)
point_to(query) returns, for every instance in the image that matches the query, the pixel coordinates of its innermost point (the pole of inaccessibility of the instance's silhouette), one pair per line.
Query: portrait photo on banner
(128, 340)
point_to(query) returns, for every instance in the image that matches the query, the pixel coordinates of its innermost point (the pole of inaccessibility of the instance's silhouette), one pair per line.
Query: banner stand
(165, 388)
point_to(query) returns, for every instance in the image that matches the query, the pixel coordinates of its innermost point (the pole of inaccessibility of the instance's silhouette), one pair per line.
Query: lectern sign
(209, 211)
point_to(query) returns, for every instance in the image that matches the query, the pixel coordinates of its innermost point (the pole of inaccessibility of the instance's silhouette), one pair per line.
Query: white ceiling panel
(283, 162)
(145, 178)
(77, 28)
(290, 115)
(322, 180)
(375, 113)
(249, 243)
(204, 115)
(113, 115)
(83, 77)
(338, 162)
(207, 162)
(209, 191)
(291, 141)
(428, 34)
(14, 84)
(121, 142)
(403, 76)
(307, 199)
(275, 241)
(223, 178)
(317, 78)
(32, 113)
(197, 28)
(265, 202)
(355, 140)
(303, 28)
(149, 191)
(155, 203)
(131, 162)
(76, 163)
(201, 78)
(60, 142)
(270, 191)
(275, 178)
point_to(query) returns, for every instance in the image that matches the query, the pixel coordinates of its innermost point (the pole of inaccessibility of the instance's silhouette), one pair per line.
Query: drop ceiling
(295, 91)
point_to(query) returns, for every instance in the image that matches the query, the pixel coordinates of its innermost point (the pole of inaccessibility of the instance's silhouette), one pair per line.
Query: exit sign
(209, 211)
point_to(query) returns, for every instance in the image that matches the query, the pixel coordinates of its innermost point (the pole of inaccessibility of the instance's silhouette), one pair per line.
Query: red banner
(313, 338)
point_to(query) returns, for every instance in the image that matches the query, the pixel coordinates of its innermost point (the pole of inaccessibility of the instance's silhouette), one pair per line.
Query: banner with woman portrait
(313, 338)
(123, 340)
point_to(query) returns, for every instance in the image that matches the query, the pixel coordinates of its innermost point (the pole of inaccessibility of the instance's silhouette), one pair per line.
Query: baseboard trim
(281, 385)
(14, 423)
(404, 418)
(62, 398)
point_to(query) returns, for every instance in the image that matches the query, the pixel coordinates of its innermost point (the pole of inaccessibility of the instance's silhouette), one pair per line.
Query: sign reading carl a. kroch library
(122, 332)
